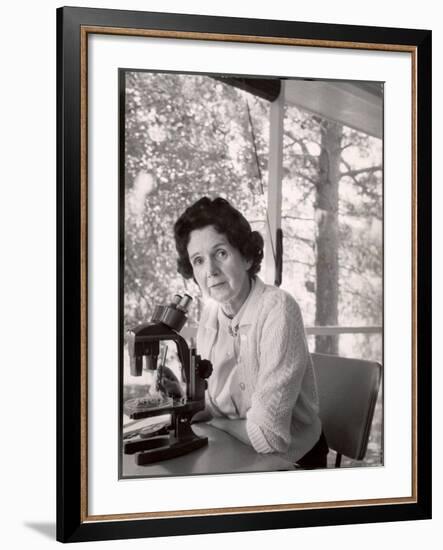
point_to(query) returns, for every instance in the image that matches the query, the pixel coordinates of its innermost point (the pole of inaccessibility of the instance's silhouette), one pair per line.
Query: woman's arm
(236, 428)
(283, 359)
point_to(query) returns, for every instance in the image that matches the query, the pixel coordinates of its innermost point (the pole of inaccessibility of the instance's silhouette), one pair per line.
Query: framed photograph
(244, 274)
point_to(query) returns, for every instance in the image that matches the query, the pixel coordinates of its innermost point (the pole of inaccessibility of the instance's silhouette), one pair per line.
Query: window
(309, 162)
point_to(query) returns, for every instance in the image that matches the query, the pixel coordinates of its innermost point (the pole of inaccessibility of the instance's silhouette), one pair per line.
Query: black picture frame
(73, 24)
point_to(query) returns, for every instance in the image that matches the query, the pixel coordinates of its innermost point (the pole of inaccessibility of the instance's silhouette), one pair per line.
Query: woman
(262, 389)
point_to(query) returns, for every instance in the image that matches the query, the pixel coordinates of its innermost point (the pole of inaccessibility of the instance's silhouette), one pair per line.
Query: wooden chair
(348, 390)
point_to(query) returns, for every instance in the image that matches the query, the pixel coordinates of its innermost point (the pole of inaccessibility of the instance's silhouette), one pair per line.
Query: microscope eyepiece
(184, 303)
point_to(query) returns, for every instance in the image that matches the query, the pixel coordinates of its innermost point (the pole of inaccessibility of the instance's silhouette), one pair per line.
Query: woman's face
(219, 268)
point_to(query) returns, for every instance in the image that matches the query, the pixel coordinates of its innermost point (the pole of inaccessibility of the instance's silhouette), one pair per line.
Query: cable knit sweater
(277, 385)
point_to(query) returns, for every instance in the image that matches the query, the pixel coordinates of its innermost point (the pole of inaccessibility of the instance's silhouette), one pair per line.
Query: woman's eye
(197, 261)
(221, 253)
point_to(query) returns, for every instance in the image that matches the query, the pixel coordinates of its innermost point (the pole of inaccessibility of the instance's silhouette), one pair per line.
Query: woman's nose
(212, 267)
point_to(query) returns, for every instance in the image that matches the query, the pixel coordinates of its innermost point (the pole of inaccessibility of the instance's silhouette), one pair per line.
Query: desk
(223, 454)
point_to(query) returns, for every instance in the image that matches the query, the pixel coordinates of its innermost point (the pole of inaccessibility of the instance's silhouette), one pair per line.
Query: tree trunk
(327, 238)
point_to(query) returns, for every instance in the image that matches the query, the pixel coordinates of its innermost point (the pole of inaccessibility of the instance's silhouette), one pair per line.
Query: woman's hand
(169, 383)
(201, 416)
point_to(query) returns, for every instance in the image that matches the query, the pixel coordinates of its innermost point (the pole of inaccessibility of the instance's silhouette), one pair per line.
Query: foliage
(191, 135)
(360, 226)
(185, 137)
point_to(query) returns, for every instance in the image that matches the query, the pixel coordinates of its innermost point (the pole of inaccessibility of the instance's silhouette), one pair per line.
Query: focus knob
(204, 367)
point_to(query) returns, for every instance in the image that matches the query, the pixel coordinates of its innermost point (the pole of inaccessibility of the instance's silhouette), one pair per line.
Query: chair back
(348, 390)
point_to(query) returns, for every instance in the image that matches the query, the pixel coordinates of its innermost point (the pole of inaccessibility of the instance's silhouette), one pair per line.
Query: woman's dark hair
(226, 220)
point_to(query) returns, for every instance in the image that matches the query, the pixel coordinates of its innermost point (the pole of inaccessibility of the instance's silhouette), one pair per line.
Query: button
(242, 386)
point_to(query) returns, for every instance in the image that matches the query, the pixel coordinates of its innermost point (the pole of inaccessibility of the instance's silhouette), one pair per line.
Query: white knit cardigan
(275, 373)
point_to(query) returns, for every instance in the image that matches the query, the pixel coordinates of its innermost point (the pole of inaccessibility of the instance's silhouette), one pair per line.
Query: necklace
(230, 317)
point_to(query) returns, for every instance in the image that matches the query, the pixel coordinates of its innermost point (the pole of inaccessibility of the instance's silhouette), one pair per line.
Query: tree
(332, 221)
(185, 136)
(190, 135)
(327, 239)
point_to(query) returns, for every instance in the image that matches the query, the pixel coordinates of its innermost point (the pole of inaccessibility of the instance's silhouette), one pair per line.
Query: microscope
(144, 349)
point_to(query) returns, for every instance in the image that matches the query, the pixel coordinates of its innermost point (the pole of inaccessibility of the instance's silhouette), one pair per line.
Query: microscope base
(161, 448)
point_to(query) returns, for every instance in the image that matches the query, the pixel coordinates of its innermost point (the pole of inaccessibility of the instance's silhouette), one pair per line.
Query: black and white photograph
(250, 274)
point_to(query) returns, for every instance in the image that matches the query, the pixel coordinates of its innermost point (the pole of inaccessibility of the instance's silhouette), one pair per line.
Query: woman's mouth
(218, 285)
